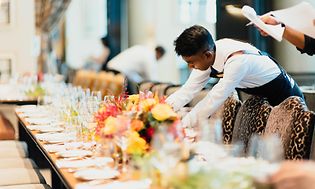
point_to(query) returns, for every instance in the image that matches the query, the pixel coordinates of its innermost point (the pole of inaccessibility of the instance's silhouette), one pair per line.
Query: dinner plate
(38, 121)
(99, 161)
(96, 174)
(53, 137)
(74, 153)
(50, 129)
(53, 148)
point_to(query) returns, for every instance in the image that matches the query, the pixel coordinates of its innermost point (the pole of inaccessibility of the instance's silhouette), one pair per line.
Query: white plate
(74, 153)
(96, 174)
(53, 137)
(53, 148)
(38, 121)
(99, 161)
(50, 129)
(45, 128)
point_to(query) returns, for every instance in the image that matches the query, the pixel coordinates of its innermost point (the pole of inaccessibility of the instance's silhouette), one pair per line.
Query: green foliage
(36, 92)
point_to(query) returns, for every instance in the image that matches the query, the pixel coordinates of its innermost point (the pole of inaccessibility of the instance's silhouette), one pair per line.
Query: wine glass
(122, 141)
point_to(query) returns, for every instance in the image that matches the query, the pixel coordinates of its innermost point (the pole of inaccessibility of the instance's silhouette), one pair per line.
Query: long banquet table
(61, 177)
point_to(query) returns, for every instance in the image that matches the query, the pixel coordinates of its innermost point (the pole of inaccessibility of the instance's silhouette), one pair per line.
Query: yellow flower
(136, 144)
(134, 98)
(111, 124)
(162, 112)
(147, 104)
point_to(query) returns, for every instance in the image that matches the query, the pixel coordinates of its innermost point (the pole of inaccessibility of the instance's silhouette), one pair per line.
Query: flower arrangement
(137, 116)
(35, 92)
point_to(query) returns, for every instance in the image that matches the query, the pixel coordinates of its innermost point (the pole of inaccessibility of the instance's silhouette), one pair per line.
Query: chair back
(294, 124)
(251, 119)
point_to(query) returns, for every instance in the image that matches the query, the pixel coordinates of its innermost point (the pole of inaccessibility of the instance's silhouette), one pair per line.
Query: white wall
(17, 40)
(153, 23)
(287, 54)
(85, 25)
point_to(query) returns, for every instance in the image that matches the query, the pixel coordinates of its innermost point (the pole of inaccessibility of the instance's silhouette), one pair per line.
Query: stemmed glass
(122, 141)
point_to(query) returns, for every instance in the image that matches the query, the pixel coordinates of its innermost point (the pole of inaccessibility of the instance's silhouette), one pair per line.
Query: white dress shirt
(240, 71)
(135, 60)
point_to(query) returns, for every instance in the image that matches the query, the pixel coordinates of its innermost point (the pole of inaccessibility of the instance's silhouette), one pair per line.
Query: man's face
(200, 61)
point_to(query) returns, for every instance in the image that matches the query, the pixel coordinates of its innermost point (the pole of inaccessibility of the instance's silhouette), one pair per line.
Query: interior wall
(153, 23)
(85, 25)
(17, 39)
(287, 54)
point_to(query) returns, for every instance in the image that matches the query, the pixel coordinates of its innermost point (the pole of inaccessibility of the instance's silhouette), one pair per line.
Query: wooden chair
(117, 86)
(294, 123)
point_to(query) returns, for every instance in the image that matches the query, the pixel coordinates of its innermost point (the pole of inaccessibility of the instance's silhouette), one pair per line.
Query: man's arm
(235, 70)
(196, 81)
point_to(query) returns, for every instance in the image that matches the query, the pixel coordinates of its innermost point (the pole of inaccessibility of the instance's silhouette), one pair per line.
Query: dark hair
(160, 50)
(193, 40)
(105, 41)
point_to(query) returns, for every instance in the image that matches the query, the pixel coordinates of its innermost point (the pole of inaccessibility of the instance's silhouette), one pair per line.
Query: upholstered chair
(294, 124)
(171, 89)
(230, 108)
(18, 176)
(159, 88)
(146, 86)
(27, 186)
(198, 97)
(251, 119)
(16, 162)
(13, 149)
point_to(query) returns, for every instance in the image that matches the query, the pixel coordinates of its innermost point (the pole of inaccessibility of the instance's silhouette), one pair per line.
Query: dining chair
(16, 162)
(159, 88)
(18, 176)
(294, 124)
(231, 107)
(13, 148)
(171, 89)
(27, 186)
(251, 119)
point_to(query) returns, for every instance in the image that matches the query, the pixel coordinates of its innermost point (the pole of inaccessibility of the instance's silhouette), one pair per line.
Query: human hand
(292, 175)
(267, 19)
(190, 120)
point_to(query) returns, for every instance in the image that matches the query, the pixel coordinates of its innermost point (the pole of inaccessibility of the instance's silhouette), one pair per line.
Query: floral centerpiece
(138, 116)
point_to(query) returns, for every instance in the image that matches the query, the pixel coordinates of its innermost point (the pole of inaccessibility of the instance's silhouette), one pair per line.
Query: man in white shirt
(138, 62)
(240, 65)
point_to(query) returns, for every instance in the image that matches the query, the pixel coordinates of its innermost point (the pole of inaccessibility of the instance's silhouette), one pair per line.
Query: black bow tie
(215, 74)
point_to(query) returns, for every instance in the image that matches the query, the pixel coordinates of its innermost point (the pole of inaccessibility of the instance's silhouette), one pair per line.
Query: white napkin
(134, 184)
(99, 161)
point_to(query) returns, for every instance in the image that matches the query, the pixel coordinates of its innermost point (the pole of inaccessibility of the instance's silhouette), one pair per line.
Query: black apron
(276, 90)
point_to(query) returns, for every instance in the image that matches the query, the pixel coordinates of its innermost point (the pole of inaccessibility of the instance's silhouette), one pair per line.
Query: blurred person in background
(138, 63)
(100, 60)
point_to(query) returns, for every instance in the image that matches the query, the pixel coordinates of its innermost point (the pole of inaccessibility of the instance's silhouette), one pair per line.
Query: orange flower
(162, 112)
(111, 125)
(137, 125)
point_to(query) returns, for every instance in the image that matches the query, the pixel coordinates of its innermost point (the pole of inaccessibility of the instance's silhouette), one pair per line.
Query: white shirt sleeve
(235, 70)
(196, 81)
(152, 69)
